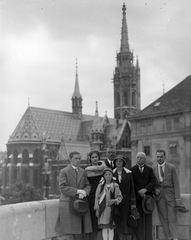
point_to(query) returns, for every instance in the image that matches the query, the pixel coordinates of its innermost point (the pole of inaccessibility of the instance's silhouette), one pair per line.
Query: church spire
(124, 32)
(76, 88)
(77, 98)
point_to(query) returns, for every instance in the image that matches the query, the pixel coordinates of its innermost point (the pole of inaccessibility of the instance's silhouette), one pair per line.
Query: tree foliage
(20, 192)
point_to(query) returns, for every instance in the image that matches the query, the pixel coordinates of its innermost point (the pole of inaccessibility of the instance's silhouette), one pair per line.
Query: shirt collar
(162, 165)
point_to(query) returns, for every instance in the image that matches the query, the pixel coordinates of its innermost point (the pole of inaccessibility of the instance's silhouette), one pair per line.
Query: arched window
(125, 97)
(36, 157)
(25, 158)
(117, 99)
(133, 100)
(15, 157)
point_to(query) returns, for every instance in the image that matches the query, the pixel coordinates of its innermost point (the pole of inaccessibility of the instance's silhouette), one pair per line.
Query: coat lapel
(72, 172)
(80, 172)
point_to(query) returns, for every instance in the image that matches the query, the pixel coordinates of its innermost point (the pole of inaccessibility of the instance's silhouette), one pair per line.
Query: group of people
(113, 191)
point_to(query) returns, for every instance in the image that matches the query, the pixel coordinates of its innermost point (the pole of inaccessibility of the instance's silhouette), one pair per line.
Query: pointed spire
(137, 63)
(76, 88)
(124, 33)
(96, 122)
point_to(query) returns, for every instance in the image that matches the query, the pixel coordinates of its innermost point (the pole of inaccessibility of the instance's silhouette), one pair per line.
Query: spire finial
(124, 32)
(96, 107)
(124, 8)
(28, 102)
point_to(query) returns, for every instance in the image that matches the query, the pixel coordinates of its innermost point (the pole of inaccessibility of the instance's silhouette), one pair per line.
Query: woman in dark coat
(94, 174)
(125, 180)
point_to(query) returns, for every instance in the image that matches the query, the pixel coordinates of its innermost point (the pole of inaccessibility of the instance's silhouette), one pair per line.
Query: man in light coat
(72, 181)
(167, 194)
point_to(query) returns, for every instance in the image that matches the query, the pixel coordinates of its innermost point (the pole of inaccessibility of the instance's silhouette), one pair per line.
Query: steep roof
(178, 99)
(54, 125)
(37, 122)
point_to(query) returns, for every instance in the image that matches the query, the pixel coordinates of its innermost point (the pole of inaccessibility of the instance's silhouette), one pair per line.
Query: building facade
(166, 124)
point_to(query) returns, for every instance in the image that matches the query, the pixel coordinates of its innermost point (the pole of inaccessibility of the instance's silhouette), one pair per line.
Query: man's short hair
(141, 154)
(161, 151)
(73, 153)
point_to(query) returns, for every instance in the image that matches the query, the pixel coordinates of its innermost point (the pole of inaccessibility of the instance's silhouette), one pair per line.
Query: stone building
(166, 124)
(40, 144)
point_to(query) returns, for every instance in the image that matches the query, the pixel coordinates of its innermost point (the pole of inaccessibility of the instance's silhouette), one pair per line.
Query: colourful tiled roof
(38, 123)
(175, 100)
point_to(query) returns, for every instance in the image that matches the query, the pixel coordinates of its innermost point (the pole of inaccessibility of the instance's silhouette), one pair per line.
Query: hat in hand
(148, 204)
(181, 208)
(78, 206)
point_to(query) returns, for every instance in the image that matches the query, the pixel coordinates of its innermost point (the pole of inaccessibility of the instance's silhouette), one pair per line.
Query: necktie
(161, 172)
(141, 168)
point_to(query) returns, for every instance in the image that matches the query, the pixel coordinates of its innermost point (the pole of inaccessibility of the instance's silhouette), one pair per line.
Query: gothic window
(15, 157)
(25, 157)
(36, 157)
(117, 100)
(125, 97)
(133, 100)
(36, 177)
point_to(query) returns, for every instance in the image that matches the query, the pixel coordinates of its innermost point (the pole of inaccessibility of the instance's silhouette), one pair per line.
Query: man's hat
(181, 208)
(78, 206)
(120, 157)
(148, 204)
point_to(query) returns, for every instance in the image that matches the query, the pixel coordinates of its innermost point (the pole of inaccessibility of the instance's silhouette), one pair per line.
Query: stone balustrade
(36, 221)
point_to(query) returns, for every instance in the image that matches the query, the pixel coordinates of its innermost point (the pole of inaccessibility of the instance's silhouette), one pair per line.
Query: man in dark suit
(144, 182)
(111, 154)
(73, 181)
(167, 194)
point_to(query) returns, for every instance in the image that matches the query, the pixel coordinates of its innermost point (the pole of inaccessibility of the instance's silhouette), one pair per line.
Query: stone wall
(36, 221)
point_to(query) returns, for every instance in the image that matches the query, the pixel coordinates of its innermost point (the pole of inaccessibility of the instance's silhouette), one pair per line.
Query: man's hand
(142, 192)
(111, 202)
(81, 192)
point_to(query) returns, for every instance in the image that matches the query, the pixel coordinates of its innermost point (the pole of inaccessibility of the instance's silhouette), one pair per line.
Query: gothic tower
(77, 98)
(126, 78)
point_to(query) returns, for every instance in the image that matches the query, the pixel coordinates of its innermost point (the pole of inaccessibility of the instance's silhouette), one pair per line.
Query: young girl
(107, 194)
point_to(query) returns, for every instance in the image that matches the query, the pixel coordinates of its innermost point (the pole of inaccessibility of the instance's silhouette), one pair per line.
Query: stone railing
(36, 221)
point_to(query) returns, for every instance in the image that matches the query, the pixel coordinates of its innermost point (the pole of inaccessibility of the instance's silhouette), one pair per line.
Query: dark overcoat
(127, 189)
(147, 180)
(69, 183)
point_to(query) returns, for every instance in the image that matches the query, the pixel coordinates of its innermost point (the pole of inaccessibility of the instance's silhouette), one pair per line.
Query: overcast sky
(41, 39)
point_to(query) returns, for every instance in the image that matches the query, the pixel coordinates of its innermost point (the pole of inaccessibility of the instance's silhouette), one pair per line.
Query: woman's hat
(148, 204)
(78, 206)
(120, 157)
(107, 169)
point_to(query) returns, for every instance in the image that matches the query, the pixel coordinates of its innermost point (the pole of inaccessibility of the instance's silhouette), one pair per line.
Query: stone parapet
(36, 221)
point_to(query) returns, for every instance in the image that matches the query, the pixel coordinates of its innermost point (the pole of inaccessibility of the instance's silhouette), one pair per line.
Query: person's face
(108, 176)
(119, 163)
(75, 160)
(141, 159)
(94, 159)
(160, 157)
(111, 155)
